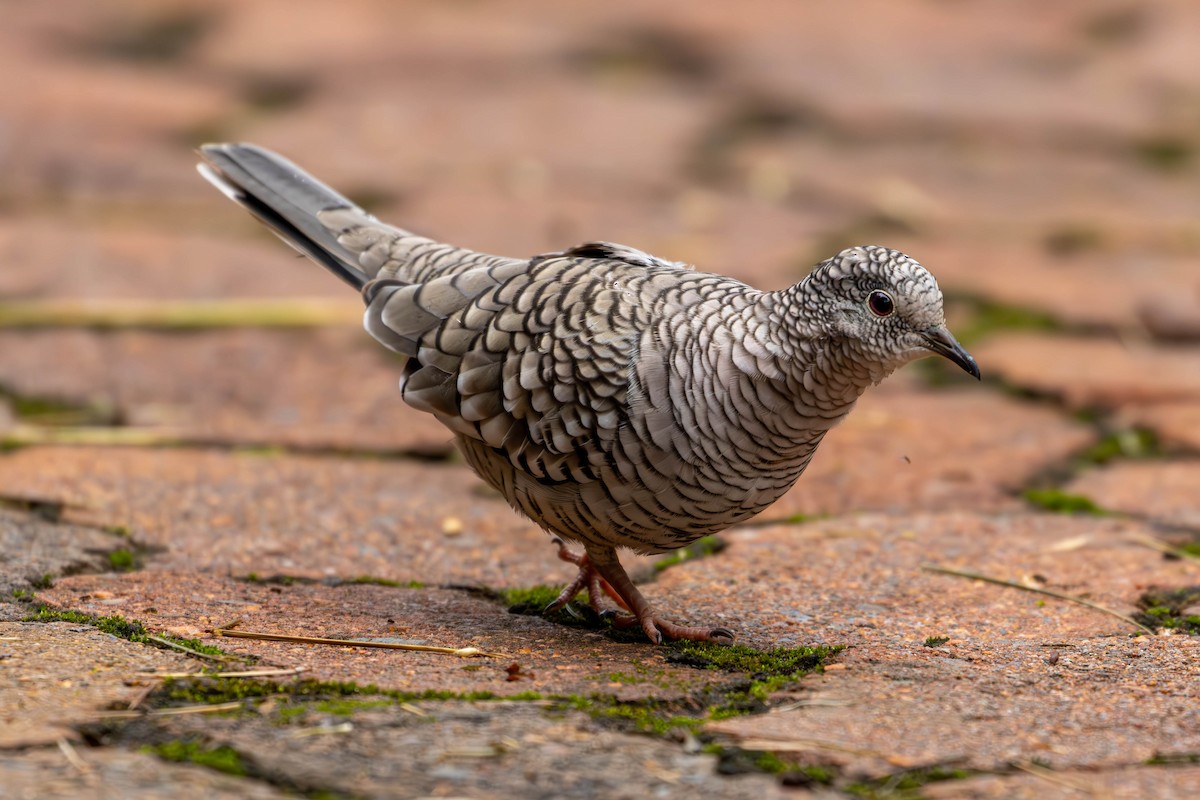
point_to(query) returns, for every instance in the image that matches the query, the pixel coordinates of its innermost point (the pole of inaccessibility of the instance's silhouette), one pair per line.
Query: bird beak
(942, 342)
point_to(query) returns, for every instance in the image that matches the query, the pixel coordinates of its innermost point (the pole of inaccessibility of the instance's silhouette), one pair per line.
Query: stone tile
(902, 449)
(1177, 425)
(1020, 678)
(332, 388)
(237, 513)
(1094, 373)
(1114, 288)
(480, 750)
(554, 660)
(32, 548)
(1157, 490)
(1164, 782)
(57, 675)
(149, 262)
(97, 130)
(116, 775)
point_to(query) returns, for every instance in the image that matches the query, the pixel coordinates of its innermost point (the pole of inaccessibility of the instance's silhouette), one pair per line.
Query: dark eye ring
(880, 303)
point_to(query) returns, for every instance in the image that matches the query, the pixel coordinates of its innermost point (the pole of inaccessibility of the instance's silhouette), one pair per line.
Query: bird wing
(536, 362)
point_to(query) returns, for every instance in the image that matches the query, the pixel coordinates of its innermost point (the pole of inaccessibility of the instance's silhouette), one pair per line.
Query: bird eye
(880, 303)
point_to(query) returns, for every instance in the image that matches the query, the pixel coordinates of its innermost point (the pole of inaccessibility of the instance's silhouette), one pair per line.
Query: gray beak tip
(942, 342)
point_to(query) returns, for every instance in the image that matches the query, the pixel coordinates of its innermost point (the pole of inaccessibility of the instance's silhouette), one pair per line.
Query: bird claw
(721, 636)
(670, 630)
(559, 604)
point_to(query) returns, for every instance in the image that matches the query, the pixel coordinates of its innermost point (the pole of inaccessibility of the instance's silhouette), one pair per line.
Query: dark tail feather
(286, 199)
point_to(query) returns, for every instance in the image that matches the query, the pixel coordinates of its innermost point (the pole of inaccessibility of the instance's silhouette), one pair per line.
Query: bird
(618, 400)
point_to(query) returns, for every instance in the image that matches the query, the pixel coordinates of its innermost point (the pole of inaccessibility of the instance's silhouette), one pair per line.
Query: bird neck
(820, 368)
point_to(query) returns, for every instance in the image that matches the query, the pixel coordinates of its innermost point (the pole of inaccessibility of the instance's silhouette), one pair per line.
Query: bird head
(885, 306)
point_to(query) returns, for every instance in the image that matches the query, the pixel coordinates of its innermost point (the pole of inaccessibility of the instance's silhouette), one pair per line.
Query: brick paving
(1040, 160)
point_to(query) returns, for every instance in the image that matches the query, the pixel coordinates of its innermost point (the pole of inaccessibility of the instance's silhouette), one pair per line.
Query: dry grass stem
(171, 712)
(248, 673)
(461, 652)
(802, 745)
(321, 730)
(1048, 592)
(1061, 780)
(179, 314)
(188, 650)
(1163, 547)
(72, 755)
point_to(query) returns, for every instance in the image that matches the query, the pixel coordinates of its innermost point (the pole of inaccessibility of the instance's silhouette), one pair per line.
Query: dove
(618, 400)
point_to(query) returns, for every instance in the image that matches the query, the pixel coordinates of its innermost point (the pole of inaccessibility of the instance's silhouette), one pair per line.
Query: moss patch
(767, 672)
(1061, 502)
(701, 548)
(115, 625)
(531, 601)
(221, 758)
(214, 689)
(1129, 443)
(122, 560)
(372, 581)
(118, 626)
(1165, 153)
(905, 785)
(988, 317)
(1164, 608)
(791, 772)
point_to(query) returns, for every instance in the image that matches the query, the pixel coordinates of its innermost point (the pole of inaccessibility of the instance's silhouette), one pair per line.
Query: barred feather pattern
(617, 399)
(614, 398)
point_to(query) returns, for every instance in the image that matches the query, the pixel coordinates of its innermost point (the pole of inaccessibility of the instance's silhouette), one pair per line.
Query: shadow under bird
(616, 399)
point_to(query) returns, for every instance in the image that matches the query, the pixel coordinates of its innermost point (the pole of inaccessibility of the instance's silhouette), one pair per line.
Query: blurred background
(1039, 158)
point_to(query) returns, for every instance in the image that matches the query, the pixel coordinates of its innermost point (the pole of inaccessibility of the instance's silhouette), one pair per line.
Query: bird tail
(288, 201)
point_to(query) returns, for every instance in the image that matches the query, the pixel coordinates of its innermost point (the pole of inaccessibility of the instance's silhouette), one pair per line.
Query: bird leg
(588, 578)
(604, 561)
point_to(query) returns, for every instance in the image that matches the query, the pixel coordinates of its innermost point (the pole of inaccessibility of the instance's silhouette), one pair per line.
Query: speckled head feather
(881, 303)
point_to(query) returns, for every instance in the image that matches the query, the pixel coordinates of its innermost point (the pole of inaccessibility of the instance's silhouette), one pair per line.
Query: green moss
(213, 689)
(1061, 502)
(367, 579)
(1165, 153)
(116, 625)
(221, 758)
(45, 581)
(1073, 239)
(936, 641)
(988, 317)
(1163, 608)
(122, 560)
(24, 595)
(533, 596)
(1131, 443)
(280, 580)
(343, 707)
(532, 601)
(52, 411)
(1172, 759)
(736, 761)
(905, 785)
(701, 548)
(195, 645)
(648, 716)
(790, 662)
